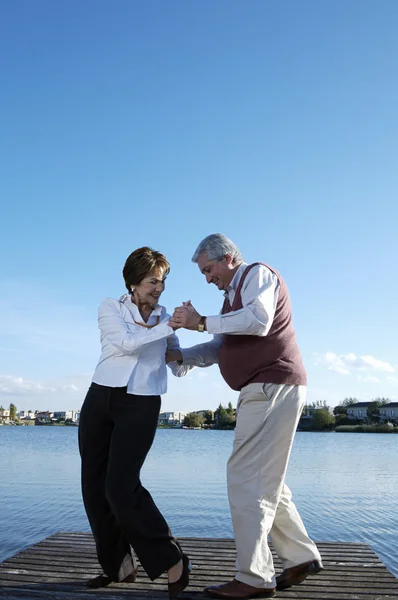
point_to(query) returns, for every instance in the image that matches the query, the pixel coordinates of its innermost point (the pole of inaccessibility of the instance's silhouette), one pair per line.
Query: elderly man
(255, 347)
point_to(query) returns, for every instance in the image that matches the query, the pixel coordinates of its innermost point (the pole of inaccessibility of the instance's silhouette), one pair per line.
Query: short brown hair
(140, 263)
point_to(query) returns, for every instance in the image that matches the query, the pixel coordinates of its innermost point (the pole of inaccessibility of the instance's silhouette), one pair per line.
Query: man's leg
(267, 418)
(289, 536)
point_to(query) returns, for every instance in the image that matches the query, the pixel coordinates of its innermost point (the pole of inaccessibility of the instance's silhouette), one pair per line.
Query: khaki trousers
(260, 502)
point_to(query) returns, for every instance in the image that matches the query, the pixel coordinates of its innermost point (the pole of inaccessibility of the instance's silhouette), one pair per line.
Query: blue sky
(156, 123)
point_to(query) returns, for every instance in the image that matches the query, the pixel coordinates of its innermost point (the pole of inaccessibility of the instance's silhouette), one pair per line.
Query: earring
(132, 289)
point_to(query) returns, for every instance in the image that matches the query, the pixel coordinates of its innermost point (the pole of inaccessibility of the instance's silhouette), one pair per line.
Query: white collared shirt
(133, 355)
(260, 292)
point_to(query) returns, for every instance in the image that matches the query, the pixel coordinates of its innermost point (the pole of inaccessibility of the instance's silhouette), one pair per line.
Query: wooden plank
(206, 542)
(70, 564)
(206, 549)
(58, 568)
(196, 550)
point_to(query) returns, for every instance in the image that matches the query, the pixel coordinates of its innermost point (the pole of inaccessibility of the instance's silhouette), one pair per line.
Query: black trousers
(116, 432)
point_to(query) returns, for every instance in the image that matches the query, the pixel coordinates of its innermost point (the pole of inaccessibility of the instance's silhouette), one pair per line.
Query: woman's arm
(173, 354)
(115, 329)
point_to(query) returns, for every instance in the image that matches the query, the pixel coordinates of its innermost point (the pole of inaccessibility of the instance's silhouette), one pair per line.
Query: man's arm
(259, 294)
(174, 357)
(201, 355)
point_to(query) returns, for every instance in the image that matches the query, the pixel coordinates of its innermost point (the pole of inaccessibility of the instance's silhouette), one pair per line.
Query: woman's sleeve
(115, 329)
(173, 343)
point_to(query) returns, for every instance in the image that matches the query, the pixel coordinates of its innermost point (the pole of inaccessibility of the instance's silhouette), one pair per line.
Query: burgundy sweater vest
(274, 358)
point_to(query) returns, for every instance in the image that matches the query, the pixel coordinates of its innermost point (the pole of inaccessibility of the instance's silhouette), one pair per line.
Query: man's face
(219, 272)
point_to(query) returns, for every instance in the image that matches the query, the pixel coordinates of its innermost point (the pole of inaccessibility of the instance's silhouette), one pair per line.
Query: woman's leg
(95, 431)
(135, 418)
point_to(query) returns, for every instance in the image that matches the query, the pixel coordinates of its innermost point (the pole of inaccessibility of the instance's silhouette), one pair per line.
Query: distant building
(43, 418)
(173, 419)
(308, 414)
(4, 415)
(358, 411)
(67, 415)
(389, 412)
(26, 415)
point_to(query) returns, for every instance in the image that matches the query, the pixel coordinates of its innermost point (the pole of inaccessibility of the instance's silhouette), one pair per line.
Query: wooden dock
(58, 567)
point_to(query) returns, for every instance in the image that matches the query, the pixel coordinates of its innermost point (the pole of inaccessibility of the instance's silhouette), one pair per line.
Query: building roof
(390, 405)
(360, 405)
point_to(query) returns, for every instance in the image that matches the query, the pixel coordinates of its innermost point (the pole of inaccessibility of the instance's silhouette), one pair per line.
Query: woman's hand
(173, 324)
(172, 355)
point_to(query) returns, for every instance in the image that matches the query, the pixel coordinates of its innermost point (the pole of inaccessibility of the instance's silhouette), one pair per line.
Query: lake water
(345, 485)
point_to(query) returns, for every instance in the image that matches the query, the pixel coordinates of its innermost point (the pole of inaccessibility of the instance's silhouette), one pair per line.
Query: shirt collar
(235, 279)
(126, 299)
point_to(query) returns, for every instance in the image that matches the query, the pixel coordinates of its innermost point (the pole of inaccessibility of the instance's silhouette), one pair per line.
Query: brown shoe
(297, 574)
(239, 590)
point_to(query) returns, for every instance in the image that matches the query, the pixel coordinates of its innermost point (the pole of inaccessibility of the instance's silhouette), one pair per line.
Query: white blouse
(133, 355)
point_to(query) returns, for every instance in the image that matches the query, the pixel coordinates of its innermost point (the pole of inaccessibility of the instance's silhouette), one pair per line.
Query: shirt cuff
(189, 356)
(213, 324)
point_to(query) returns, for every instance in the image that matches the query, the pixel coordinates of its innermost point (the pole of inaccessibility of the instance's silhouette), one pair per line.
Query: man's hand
(176, 324)
(185, 316)
(172, 355)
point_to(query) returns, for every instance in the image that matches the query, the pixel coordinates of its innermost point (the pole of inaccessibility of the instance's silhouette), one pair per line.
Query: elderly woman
(118, 422)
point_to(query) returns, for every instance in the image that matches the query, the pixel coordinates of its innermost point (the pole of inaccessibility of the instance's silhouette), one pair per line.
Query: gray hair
(216, 246)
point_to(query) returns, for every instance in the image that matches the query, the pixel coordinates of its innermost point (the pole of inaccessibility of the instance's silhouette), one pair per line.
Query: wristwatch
(202, 324)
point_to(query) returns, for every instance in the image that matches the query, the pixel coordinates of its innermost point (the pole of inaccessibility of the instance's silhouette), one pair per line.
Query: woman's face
(150, 288)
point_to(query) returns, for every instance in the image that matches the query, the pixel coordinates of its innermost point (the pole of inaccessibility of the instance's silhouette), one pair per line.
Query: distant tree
(381, 401)
(341, 408)
(321, 419)
(226, 421)
(224, 417)
(374, 408)
(208, 417)
(13, 412)
(220, 413)
(349, 401)
(342, 419)
(193, 420)
(318, 404)
(230, 409)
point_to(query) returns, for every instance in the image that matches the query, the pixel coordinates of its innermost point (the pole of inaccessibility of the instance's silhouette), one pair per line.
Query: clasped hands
(185, 316)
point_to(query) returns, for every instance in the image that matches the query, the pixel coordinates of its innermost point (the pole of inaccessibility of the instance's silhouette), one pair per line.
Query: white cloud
(339, 369)
(392, 379)
(369, 379)
(19, 386)
(348, 363)
(377, 365)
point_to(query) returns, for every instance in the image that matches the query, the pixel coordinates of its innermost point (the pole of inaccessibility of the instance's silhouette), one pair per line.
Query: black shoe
(178, 586)
(103, 580)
